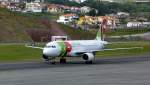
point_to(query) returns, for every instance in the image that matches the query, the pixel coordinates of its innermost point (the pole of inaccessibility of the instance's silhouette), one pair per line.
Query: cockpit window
(52, 46)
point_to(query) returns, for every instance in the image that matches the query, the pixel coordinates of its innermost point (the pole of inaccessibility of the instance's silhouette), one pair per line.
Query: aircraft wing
(34, 47)
(110, 49)
(82, 52)
(122, 48)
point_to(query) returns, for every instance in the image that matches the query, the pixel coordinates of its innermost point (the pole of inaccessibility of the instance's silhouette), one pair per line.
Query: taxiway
(119, 71)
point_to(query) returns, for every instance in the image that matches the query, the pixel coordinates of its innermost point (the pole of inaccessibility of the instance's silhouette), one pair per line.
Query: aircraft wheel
(53, 63)
(62, 61)
(89, 62)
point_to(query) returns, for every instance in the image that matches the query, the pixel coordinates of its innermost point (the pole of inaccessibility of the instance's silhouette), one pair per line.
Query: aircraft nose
(45, 52)
(50, 52)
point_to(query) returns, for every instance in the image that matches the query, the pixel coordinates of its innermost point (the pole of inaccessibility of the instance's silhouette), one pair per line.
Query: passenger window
(51, 46)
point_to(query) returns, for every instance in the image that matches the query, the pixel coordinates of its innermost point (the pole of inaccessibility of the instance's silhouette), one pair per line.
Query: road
(119, 71)
(145, 36)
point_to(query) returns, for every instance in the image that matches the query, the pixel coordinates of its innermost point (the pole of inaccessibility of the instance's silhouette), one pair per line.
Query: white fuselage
(77, 47)
(88, 46)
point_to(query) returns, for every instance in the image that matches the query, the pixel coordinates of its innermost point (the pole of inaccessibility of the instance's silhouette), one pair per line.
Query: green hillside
(17, 27)
(13, 26)
(78, 34)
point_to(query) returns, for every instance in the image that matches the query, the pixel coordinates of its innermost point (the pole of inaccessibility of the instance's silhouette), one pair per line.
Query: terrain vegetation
(21, 28)
(19, 53)
(13, 26)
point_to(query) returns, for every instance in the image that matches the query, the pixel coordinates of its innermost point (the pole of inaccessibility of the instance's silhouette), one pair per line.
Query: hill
(58, 29)
(17, 27)
(77, 34)
(13, 26)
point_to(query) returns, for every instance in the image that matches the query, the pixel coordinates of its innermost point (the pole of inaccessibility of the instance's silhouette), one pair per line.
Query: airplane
(74, 48)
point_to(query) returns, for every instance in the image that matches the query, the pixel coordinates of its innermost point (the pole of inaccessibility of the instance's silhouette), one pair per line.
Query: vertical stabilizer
(100, 33)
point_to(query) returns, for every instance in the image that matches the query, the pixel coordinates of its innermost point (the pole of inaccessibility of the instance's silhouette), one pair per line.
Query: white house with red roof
(66, 18)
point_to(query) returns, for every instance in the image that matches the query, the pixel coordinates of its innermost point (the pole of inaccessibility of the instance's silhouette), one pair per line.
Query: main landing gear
(62, 61)
(89, 62)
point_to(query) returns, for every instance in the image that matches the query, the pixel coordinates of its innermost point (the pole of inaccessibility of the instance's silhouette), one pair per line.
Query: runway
(118, 71)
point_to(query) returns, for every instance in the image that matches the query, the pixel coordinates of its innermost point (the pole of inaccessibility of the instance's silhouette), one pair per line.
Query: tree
(22, 6)
(93, 12)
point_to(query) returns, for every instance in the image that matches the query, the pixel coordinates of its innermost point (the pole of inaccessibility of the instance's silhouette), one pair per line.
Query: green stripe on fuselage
(62, 49)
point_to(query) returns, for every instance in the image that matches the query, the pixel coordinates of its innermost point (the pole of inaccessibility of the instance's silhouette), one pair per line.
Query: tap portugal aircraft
(74, 48)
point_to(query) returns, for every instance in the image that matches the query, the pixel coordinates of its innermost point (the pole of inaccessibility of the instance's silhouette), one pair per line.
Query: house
(123, 15)
(53, 8)
(13, 1)
(75, 9)
(111, 21)
(78, 1)
(124, 1)
(138, 24)
(33, 7)
(85, 9)
(134, 24)
(67, 18)
(14, 7)
(4, 4)
(38, 1)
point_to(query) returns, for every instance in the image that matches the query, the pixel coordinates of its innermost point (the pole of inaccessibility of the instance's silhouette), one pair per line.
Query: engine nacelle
(45, 57)
(88, 56)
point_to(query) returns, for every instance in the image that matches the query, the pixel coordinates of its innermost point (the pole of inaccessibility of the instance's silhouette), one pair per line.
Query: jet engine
(45, 57)
(88, 56)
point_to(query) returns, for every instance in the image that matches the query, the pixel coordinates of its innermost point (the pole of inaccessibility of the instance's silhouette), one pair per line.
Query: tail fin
(103, 26)
(99, 35)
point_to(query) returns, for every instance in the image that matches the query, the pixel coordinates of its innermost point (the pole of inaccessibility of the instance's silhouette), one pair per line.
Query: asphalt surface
(118, 71)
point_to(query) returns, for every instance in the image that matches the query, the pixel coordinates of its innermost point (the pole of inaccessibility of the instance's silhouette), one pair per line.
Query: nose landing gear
(52, 60)
(49, 60)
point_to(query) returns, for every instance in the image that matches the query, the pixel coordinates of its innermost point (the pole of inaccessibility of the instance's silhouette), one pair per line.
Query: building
(33, 7)
(75, 9)
(123, 1)
(78, 1)
(4, 4)
(14, 1)
(122, 14)
(138, 24)
(85, 9)
(111, 21)
(14, 7)
(39, 1)
(67, 18)
(53, 8)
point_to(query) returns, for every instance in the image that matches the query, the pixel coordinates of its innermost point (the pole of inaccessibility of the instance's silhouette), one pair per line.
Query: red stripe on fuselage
(68, 46)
